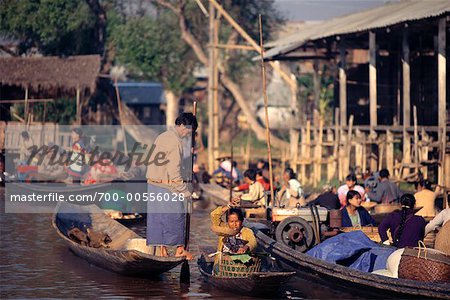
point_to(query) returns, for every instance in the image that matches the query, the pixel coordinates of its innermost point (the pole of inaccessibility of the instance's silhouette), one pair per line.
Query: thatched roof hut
(51, 75)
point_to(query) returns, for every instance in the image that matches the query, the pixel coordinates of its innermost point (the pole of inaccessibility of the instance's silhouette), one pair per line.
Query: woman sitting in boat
(233, 236)
(406, 228)
(255, 194)
(354, 214)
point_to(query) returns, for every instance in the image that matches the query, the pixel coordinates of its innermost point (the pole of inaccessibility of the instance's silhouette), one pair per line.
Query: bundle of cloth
(354, 250)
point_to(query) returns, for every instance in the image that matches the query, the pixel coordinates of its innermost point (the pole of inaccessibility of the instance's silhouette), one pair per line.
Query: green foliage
(151, 49)
(54, 27)
(61, 111)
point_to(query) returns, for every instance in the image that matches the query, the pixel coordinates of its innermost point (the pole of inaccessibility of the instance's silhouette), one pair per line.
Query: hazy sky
(310, 10)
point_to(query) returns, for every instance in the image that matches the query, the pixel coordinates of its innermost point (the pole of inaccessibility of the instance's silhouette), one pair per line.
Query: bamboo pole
(263, 73)
(78, 120)
(342, 84)
(442, 86)
(336, 142)
(216, 93)
(330, 163)
(211, 91)
(416, 142)
(348, 145)
(406, 81)
(26, 106)
(373, 78)
(390, 151)
(28, 100)
(318, 154)
(119, 105)
(232, 47)
(424, 152)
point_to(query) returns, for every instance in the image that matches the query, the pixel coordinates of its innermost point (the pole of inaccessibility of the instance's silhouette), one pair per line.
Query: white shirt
(294, 185)
(439, 220)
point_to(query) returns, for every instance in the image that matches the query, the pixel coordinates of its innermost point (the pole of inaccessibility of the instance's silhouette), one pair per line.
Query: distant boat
(117, 257)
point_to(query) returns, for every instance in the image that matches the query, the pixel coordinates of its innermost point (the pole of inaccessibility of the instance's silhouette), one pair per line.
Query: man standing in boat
(168, 194)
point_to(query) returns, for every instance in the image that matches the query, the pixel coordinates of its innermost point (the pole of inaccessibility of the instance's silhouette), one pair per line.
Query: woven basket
(370, 231)
(230, 268)
(424, 264)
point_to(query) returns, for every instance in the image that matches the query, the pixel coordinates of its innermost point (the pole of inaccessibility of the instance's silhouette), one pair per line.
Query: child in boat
(233, 236)
(354, 214)
(406, 228)
(255, 193)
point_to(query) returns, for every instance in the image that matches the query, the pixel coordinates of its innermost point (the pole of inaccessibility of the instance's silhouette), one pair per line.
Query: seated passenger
(255, 193)
(406, 228)
(351, 184)
(233, 237)
(259, 178)
(354, 214)
(425, 198)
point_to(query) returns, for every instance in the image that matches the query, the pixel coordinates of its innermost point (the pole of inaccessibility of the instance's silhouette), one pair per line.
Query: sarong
(166, 218)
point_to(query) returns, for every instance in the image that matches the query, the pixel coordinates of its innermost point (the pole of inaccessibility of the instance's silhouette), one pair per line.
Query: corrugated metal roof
(379, 17)
(141, 93)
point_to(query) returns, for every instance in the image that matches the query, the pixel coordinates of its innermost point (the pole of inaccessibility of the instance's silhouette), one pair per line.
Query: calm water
(35, 263)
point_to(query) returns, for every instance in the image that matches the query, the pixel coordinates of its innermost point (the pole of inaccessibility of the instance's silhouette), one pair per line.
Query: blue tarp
(353, 249)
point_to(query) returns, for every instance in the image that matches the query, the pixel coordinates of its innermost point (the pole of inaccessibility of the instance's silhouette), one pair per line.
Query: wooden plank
(294, 136)
(372, 79)
(316, 88)
(406, 152)
(318, 154)
(348, 145)
(424, 151)
(406, 81)
(303, 152)
(331, 168)
(359, 150)
(308, 148)
(342, 84)
(416, 141)
(390, 151)
(336, 142)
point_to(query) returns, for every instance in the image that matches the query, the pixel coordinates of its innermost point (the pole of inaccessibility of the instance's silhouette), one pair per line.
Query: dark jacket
(386, 192)
(413, 231)
(328, 200)
(364, 216)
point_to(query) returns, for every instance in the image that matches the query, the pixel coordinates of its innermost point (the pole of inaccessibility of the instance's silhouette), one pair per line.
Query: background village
(347, 96)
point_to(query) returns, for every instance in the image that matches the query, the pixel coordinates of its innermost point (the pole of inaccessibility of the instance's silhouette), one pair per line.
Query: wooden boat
(116, 257)
(257, 284)
(361, 283)
(215, 193)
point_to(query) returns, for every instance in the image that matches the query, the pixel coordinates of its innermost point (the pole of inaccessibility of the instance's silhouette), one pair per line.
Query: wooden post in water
(263, 72)
(119, 105)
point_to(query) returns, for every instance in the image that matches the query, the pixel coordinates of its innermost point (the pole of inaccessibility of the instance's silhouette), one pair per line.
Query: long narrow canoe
(257, 284)
(116, 257)
(360, 283)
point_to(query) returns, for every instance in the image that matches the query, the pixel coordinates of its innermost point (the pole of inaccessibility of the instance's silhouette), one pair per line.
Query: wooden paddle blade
(185, 273)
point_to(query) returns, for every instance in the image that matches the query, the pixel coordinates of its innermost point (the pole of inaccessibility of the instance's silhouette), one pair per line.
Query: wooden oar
(185, 274)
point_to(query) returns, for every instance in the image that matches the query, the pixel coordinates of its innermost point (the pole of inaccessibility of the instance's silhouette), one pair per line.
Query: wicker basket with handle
(424, 264)
(230, 268)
